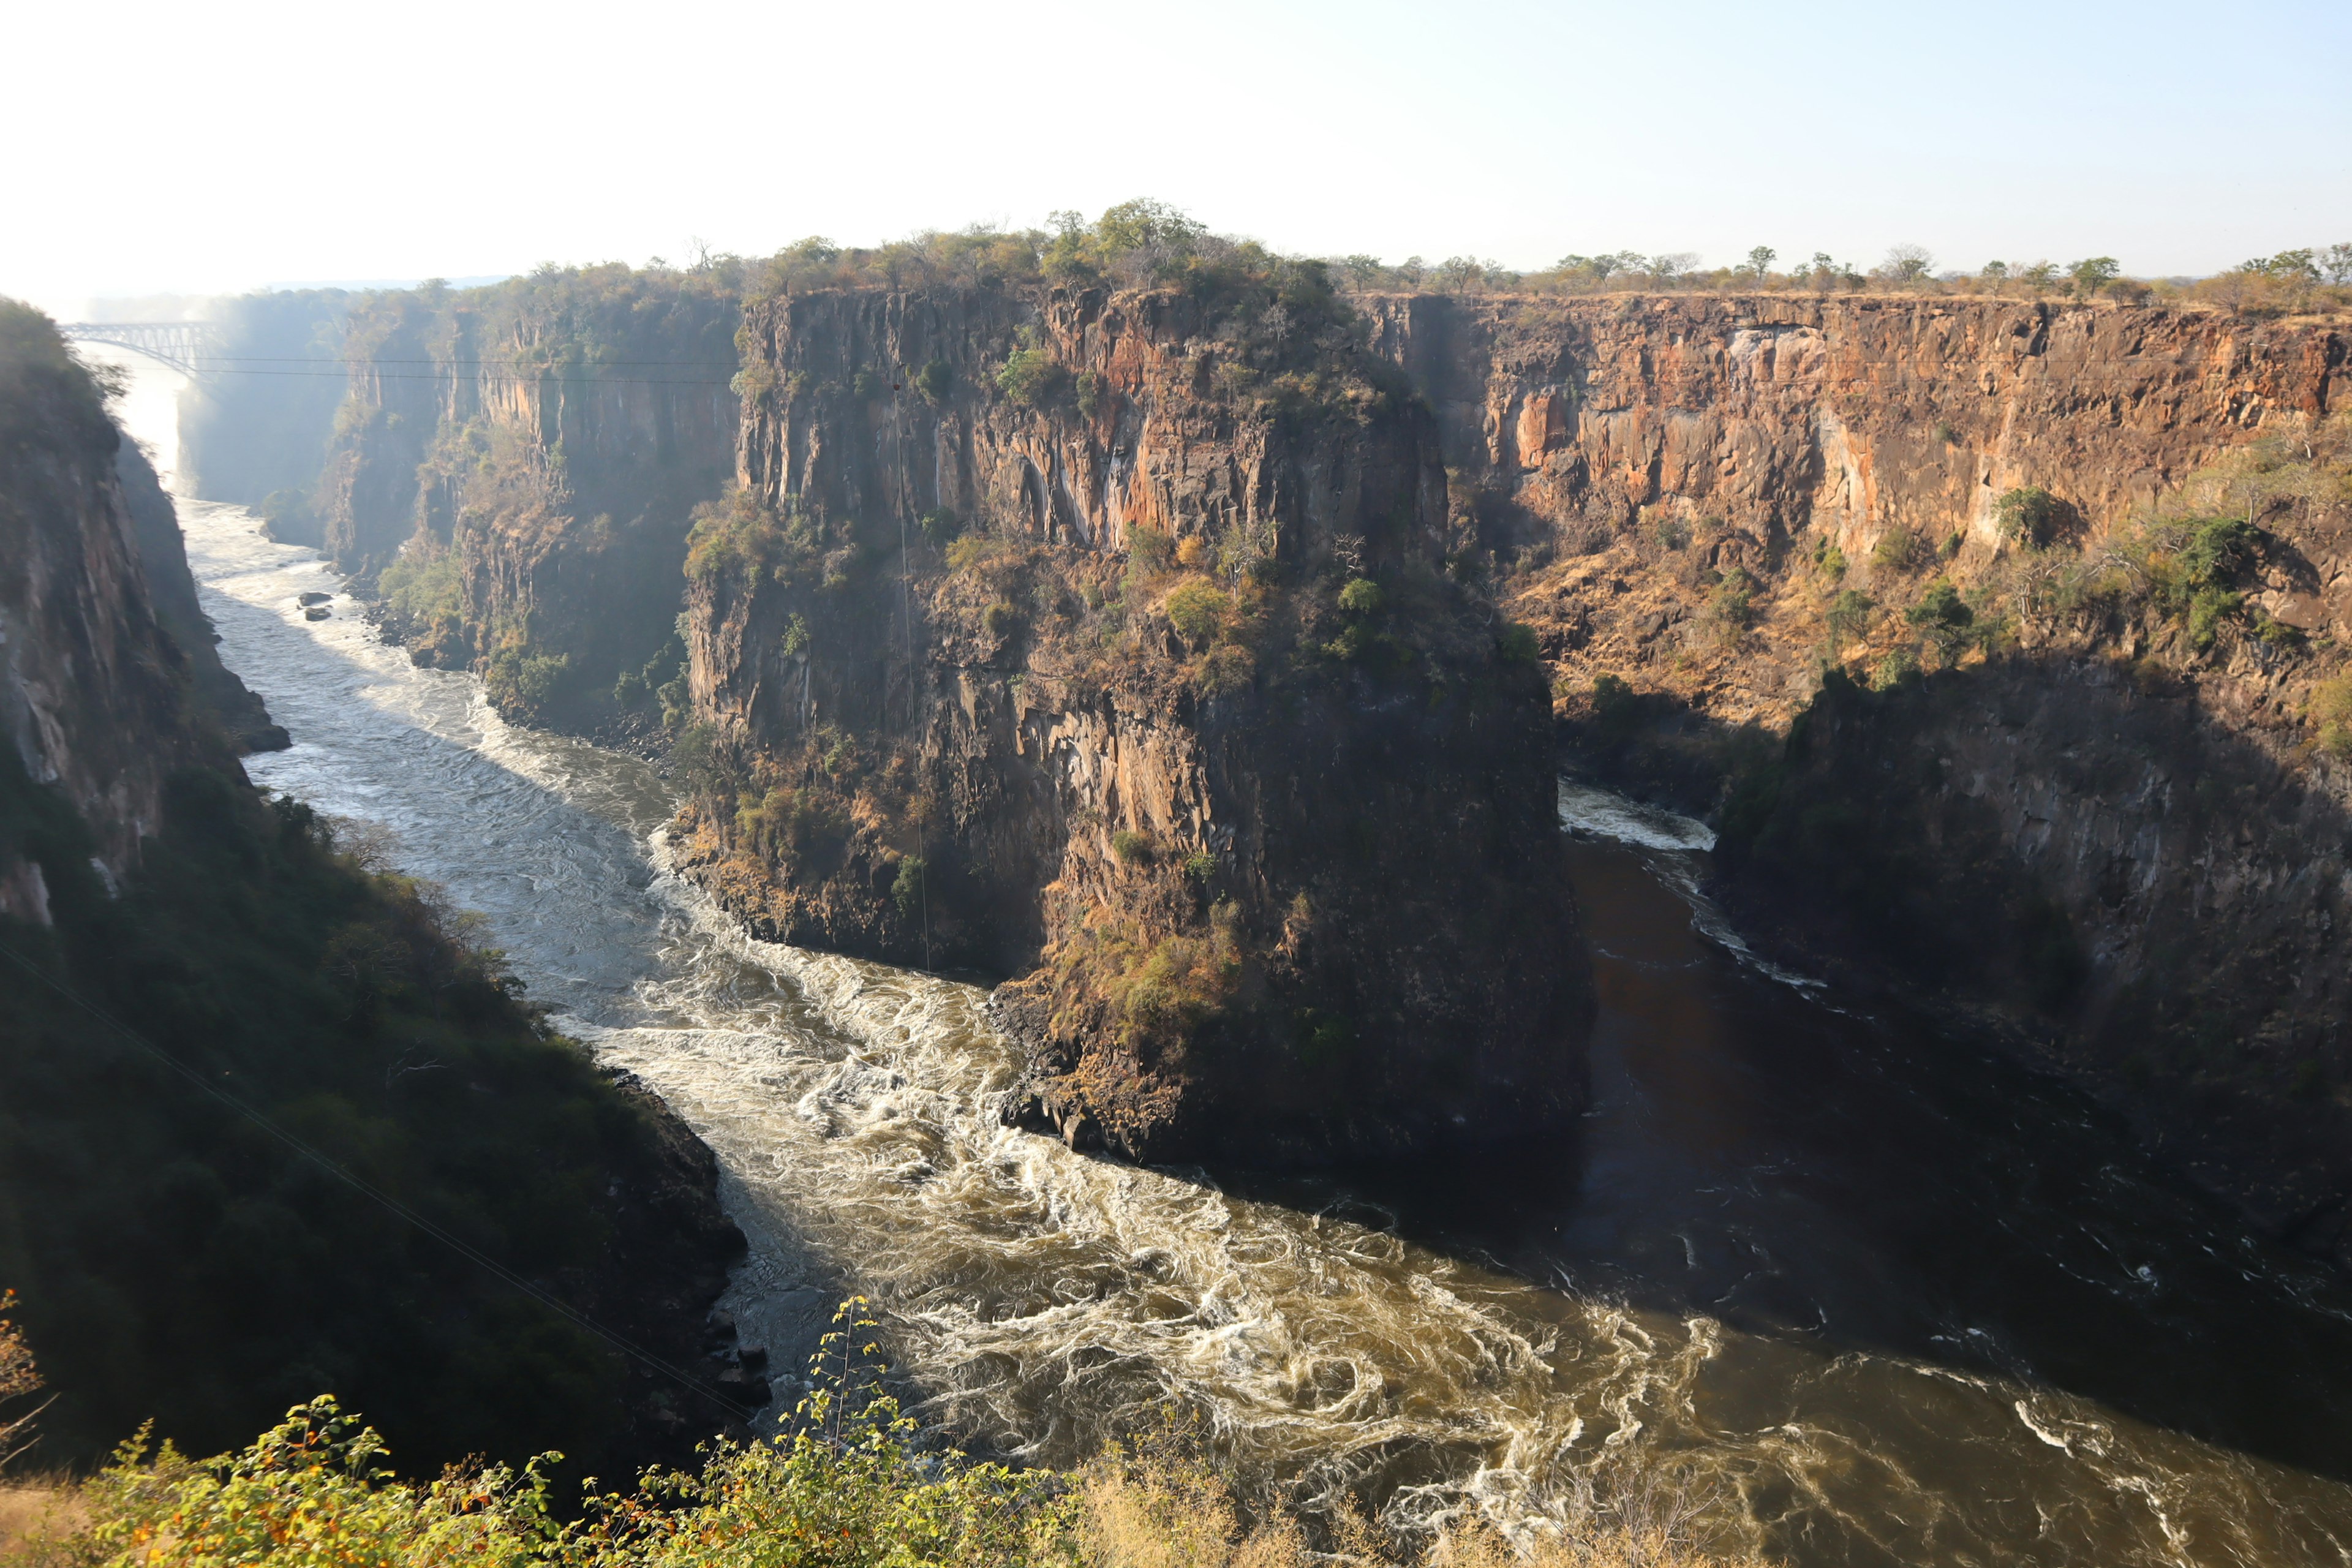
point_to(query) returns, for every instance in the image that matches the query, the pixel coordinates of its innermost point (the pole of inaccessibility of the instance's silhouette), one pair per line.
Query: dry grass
(1162, 1510)
(38, 1515)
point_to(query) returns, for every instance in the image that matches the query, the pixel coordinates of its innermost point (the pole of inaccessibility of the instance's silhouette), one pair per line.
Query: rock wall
(1025, 649)
(172, 591)
(1583, 432)
(91, 682)
(253, 429)
(2097, 824)
(552, 434)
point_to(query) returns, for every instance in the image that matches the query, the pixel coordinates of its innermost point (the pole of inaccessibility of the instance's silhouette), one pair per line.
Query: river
(1885, 1299)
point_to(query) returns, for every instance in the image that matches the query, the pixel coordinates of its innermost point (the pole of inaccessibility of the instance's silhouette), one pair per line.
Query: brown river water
(1886, 1298)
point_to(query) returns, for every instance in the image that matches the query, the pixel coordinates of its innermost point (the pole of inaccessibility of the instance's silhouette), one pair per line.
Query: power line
(373, 359)
(627, 1347)
(516, 379)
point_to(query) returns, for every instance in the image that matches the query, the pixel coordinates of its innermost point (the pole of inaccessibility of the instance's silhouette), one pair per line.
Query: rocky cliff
(1626, 452)
(172, 591)
(535, 448)
(93, 683)
(2080, 578)
(253, 429)
(1107, 641)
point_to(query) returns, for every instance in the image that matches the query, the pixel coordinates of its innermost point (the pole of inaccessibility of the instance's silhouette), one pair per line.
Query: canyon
(938, 708)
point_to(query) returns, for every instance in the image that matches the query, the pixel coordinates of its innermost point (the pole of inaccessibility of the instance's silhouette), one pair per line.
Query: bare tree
(1906, 264)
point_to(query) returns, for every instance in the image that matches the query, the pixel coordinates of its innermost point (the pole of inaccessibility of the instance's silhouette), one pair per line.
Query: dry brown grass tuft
(39, 1518)
(1160, 1509)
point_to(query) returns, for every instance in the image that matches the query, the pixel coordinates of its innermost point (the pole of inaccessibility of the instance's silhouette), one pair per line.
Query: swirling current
(1885, 1298)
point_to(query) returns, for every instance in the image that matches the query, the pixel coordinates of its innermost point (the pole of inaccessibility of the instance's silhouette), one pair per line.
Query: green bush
(1150, 549)
(1133, 847)
(1362, 596)
(2032, 516)
(907, 888)
(1616, 709)
(1943, 617)
(2209, 610)
(935, 380)
(1032, 377)
(1001, 619)
(1848, 618)
(424, 587)
(1198, 612)
(1516, 644)
(523, 683)
(1731, 605)
(1201, 865)
(2331, 710)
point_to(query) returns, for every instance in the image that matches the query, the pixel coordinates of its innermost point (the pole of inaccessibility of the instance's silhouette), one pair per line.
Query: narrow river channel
(1890, 1300)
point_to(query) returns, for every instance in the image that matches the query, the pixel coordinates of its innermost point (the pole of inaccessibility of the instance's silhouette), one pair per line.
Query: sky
(201, 149)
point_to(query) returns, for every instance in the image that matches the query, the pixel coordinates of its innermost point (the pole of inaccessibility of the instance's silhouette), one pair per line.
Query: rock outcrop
(91, 682)
(172, 591)
(540, 445)
(2098, 820)
(1621, 448)
(1105, 641)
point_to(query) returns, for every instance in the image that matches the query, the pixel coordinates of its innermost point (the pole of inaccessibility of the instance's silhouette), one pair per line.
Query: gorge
(1195, 661)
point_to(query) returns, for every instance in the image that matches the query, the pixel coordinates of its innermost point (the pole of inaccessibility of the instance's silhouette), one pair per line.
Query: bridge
(183, 345)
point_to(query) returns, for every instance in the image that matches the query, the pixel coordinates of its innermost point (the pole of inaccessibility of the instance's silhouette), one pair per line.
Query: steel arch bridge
(183, 345)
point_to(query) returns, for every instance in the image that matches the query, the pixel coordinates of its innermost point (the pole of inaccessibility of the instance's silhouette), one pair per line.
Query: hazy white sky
(202, 148)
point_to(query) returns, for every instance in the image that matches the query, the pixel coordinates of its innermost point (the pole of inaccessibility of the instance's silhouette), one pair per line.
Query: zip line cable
(684, 1379)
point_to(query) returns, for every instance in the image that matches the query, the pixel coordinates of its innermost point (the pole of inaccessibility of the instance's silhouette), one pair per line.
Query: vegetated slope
(1106, 639)
(175, 1260)
(2084, 570)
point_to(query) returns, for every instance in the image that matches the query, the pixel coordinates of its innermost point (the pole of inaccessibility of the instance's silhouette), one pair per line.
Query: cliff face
(1104, 640)
(2144, 889)
(548, 437)
(1588, 436)
(2066, 774)
(172, 591)
(255, 432)
(92, 699)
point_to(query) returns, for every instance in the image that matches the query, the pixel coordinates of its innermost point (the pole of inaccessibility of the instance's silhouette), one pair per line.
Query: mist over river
(1898, 1302)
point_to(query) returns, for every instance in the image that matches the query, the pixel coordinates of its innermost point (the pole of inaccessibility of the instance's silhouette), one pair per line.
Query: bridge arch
(183, 345)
